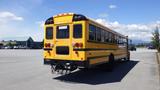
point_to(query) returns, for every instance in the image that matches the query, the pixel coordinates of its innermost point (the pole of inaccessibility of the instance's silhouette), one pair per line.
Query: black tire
(111, 63)
(125, 59)
(128, 57)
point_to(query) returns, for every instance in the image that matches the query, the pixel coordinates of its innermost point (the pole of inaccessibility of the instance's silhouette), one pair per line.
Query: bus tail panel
(66, 38)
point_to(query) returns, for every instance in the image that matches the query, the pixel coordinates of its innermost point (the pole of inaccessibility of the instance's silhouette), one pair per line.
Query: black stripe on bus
(104, 56)
(47, 48)
(110, 43)
(91, 49)
(94, 57)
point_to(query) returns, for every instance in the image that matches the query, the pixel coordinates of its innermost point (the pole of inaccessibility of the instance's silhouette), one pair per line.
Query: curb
(158, 61)
(158, 58)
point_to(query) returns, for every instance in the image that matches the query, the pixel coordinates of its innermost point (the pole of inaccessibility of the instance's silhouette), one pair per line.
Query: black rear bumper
(84, 64)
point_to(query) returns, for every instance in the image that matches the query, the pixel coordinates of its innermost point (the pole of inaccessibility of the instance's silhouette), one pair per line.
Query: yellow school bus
(74, 41)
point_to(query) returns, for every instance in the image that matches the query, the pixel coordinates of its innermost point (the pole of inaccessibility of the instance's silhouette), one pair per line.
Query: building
(1, 45)
(38, 45)
(19, 42)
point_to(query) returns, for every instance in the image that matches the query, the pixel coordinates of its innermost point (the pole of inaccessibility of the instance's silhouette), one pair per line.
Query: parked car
(151, 47)
(132, 48)
(7, 47)
(15, 47)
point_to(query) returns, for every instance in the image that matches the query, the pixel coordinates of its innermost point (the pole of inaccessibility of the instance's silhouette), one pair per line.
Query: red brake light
(81, 45)
(77, 45)
(47, 45)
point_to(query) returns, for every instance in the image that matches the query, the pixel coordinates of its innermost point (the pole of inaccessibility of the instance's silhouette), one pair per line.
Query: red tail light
(47, 45)
(78, 45)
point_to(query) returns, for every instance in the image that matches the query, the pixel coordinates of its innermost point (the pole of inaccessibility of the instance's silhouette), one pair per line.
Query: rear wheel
(128, 57)
(111, 63)
(125, 59)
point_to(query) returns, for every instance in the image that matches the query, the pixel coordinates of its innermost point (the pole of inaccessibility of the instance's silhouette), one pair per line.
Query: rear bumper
(84, 64)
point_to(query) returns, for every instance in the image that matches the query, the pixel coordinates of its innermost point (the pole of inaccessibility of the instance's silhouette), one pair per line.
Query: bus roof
(79, 17)
(106, 28)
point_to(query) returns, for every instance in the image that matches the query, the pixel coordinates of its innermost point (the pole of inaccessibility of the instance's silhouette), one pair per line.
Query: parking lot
(24, 70)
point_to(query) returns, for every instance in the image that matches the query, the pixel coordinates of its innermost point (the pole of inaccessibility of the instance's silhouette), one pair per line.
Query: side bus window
(113, 38)
(106, 36)
(102, 35)
(98, 32)
(116, 39)
(49, 32)
(110, 37)
(77, 31)
(119, 40)
(92, 32)
(62, 32)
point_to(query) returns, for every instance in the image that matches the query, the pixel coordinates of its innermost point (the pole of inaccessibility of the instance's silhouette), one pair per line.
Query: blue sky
(135, 18)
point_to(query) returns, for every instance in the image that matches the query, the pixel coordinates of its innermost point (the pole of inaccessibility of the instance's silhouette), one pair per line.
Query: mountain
(137, 41)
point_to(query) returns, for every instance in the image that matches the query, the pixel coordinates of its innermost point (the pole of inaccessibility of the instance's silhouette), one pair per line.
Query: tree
(155, 39)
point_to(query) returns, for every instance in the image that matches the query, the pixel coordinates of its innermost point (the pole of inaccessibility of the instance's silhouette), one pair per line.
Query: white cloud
(103, 15)
(39, 35)
(13, 31)
(134, 31)
(8, 16)
(9, 29)
(40, 23)
(112, 6)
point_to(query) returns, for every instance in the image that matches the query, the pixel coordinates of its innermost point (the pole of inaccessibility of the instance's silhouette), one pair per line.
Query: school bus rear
(64, 34)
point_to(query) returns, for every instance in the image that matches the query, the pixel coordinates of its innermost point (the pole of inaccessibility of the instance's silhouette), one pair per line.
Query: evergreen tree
(155, 39)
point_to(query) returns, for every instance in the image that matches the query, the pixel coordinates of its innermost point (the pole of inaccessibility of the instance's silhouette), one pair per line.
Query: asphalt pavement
(24, 70)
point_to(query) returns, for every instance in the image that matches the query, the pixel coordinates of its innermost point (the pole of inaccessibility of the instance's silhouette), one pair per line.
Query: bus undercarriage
(65, 66)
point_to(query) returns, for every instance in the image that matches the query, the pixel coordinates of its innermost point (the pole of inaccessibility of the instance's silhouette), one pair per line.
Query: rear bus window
(77, 31)
(49, 33)
(62, 32)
